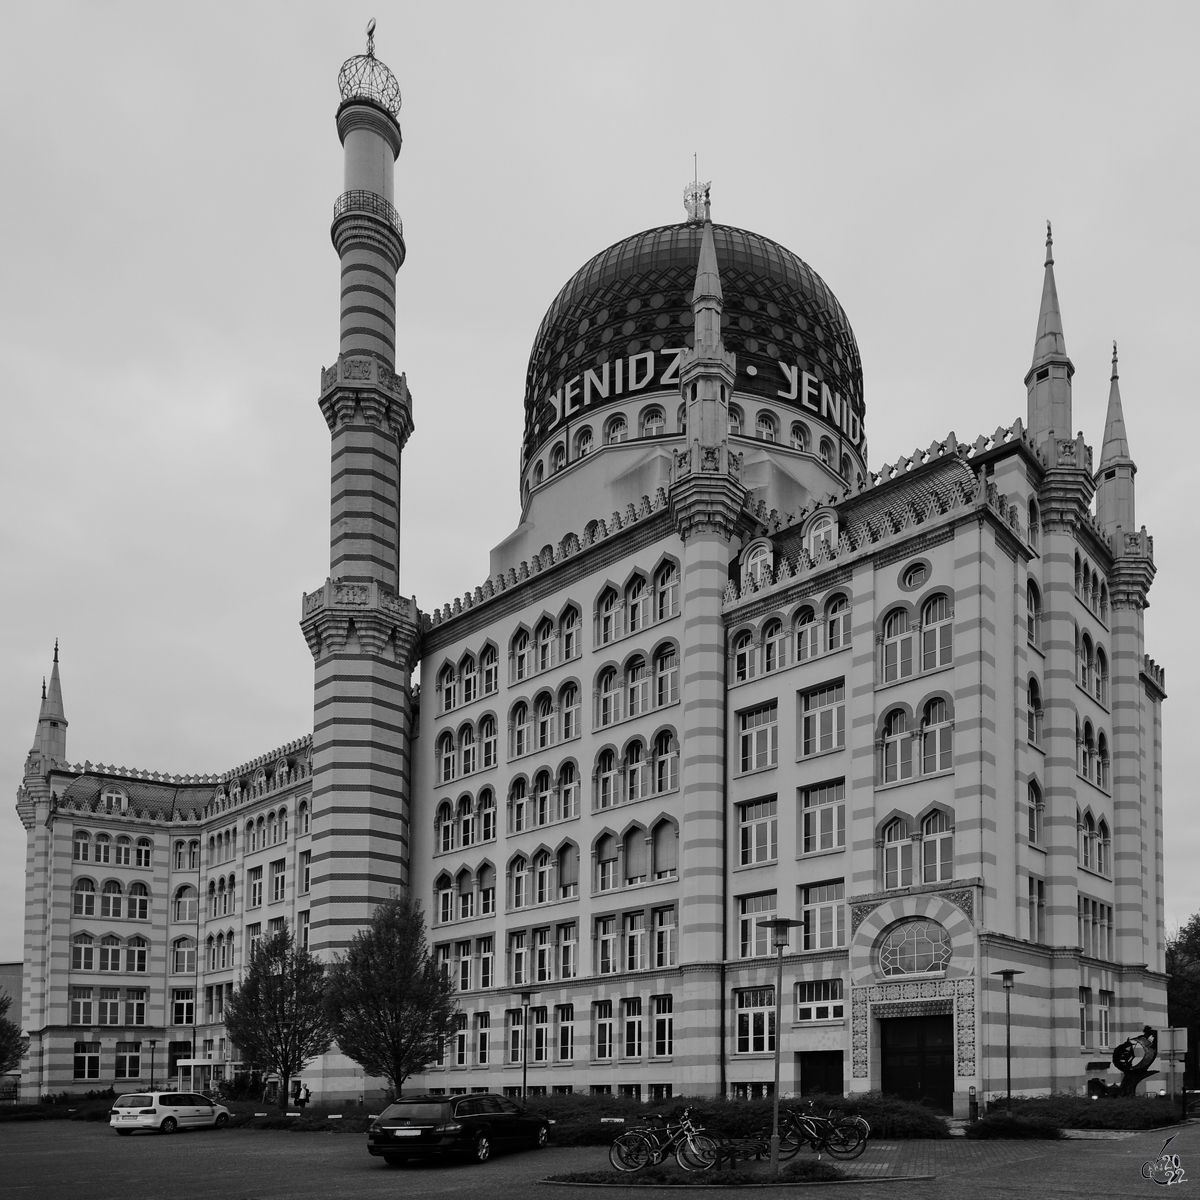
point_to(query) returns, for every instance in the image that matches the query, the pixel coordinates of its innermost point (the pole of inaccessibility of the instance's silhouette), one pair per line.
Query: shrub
(888, 1116)
(1014, 1125)
(1082, 1112)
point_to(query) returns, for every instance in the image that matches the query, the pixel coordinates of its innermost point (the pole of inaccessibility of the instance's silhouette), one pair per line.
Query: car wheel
(543, 1137)
(221, 1121)
(169, 1125)
(483, 1148)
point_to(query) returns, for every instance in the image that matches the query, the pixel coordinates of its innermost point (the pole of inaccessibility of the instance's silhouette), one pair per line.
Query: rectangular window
(516, 1035)
(441, 955)
(898, 657)
(606, 945)
(541, 1034)
(463, 974)
(81, 1006)
(255, 877)
(277, 880)
(305, 872)
(482, 1032)
(518, 971)
(1103, 1010)
(824, 816)
(303, 919)
(824, 915)
(253, 937)
(543, 952)
(1085, 1004)
(486, 962)
(635, 941)
(183, 1006)
(87, 1060)
(135, 1006)
(108, 1011)
(564, 1015)
(819, 1000)
(633, 1028)
(755, 937)
(937, 646)
(664, 937)
(135, 957)
(664, 1026)
(897, 863)
(759, 828)
(129, 1060)
(604, 1029)
(568, 950)
(460, 1039)
(1037, 909)
(760, 737)
(756, 1021)
(823, 724)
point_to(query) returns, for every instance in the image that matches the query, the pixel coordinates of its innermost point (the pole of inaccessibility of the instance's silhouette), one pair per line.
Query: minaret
(361, 632)
(1049, 379)
(50, 741)
(1114, 479)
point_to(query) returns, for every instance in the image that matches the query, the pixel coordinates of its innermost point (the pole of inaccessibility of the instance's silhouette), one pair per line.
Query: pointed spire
(52, 707)
(707, 298)
(1050, 343)
(1116, 446)
(51, 737)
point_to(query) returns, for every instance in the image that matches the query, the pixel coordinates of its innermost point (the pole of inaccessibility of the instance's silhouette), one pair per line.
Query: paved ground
(54, 1159)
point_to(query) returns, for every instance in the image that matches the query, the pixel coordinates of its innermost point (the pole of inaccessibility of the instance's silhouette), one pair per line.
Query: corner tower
(1048, 380)
(362, 634)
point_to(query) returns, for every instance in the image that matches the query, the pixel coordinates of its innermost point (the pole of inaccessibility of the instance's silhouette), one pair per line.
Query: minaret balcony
(360, 201)
(360, 215)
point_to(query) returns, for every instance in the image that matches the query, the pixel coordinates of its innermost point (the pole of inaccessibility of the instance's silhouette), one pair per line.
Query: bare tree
(12, 1044)
(277, 1016)
(390, 1004)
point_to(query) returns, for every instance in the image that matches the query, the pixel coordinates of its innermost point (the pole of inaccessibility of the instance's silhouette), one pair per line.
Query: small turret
(1048, 381)
(51, 738)
(1114, 479)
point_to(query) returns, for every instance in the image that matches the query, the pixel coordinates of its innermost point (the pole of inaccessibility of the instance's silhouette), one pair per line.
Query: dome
(364, 77)
(633, 302)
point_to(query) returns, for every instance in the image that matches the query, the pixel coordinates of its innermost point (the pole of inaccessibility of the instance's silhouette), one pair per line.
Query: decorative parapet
(133, 773)
(382, 621)
(362, 383)
(1156, 673)
(569, 547)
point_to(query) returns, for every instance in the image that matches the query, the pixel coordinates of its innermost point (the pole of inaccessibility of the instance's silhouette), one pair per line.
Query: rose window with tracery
(914, 948)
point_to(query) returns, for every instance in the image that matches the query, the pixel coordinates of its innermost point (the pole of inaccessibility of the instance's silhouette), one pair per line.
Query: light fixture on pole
(779, 927)
(153, 1043)
(525, 998)
(1007, 975)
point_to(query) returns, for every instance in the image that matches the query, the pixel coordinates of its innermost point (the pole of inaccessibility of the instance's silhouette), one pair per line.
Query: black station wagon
(423, 1126)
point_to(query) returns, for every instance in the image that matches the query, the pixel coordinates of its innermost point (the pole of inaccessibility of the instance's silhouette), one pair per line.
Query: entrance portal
(917, 1060)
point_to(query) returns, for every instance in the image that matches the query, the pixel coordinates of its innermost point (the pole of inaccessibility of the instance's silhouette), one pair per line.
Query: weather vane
(371, 37)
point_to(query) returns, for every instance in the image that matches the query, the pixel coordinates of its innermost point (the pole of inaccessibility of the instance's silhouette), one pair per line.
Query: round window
(914, 948)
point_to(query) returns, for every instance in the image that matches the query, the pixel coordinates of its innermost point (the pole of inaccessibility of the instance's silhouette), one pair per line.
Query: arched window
(1035, 523)
(606, 779)
(1033, 614)
(465, 888)
(666, 677)
(568, 872)
(545, 722)
(110, 954)
(1103, 848)
(665, 850)
(466, 822)
(800, 438)
(666, 585)
(914, 948)
(222, 951)
(487, 815)
(539, 473)
(84, 899)
(272, 831)
(545, 644)
(845, 468)
(183, 956)
(743, 657)
(666, 762)
(488, 663)
(103, 848)
(469, 678)
(111, 899)
(653, 422)
(774, 646)
(518, 806)
(606, 863)
(764, 427)
(637, 687)
(1078, 577)
(541, 795)
(521, 658)
(583, 442)
(837, 623)
(445, 824)
(446, 682)
(568, 702)
(569, 633)
(487, 736)
(610, 698)
(487, 890)
(807, 631)
(83, 953)
(568, 792)
(81, 847)
(681, 419)
(1100, 678)
(1089, 752)
(1034, 714)
(897, 855)
(466, 740)
(122, 852)
(520, 882)
(444, 887)
(1102, 762)
(897, 646)
(757, 566)
(558, 458)
(218, 901)
(827, 452)
(1104, 603)
(521, 730)
(609, 617)
(542, 879)
(937, 738)
(1085, 663)
(735, 421)
(1095, 594)
(937, 633)
(635, 771)
(446, 756)
(637, 605)
(1089, 842)
(111, 800)
(1037, 814)
(185, 904)
(212, 952)
(139, 902)
(937, 848)
(637, 865)
(897, 747)
(618, 431)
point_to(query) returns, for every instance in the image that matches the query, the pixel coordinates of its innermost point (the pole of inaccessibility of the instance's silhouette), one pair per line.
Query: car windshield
(416, 1111)
(134, 1102)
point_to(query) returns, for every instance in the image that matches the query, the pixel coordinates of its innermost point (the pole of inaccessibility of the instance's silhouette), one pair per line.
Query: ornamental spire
(1116, 445)
(1050, 342)
(1048, 380)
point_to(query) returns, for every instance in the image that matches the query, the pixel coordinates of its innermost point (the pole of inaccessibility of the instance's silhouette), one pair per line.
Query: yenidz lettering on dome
(653, 370)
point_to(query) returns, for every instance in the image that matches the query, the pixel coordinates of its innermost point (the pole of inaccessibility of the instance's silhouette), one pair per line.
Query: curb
(707, 1187)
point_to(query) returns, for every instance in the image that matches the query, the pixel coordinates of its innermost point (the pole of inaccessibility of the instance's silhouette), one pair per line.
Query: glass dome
(635, 299)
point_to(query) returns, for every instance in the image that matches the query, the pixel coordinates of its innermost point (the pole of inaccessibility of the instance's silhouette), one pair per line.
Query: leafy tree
(277, 1016)
(389, 1003)
(1183, 986)
(12, 1044)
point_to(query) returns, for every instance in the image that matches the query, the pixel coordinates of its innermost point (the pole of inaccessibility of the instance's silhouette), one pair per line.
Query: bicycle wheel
(790, 1141)
(630, 1152)
(844, 1141)
(697, 1153)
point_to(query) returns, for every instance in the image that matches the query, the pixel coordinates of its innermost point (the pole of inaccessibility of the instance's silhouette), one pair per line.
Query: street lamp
(153, 1043)
(525, 998)
(779, 927)
(1007, 975)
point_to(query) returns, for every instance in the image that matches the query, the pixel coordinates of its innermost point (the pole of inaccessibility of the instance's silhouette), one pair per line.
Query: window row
(1091, 754)
(1093, 849)
(905, 752)
(103, 1006)
(822, 823)
(810, 635)
(1090, 588)
(909, 649)
(1091, 667)
(222, 896)
(120, 851)
(109, 954)
(220, 952)
(115, 901)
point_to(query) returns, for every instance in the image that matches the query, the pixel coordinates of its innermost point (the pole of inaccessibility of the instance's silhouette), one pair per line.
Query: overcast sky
(169, 292)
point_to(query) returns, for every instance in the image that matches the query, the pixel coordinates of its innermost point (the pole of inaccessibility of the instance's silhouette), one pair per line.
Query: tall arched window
(446, 756)
(606, 779)
(1034, 714)
(81, 847)
(837, 623)
(121, 852)
(637, 687)
(466, 741)
(545, 722)
(820, 533)
(568, 792)
(466, 822)
(666, 677)
(618, 431)
(111, 899)
(757, 566)
(568, 628)
(764, 427)
(487, 737)
(583, 443)
(937, 848)
(937, 738)
(522, 659)
(183, 956)
(609, 617)
(488, 663)
(568, 702)
(103, 848)
(937, 633)
(445, 825)
(487, 890)
(83, 953)
(735, 421)
(185, 908)
(558, 458)
(827, 452)
(1033, 614)
(774, 646)
(1103, 848)
(521, 729)
(470, 679)
(606, 863)
(1102, 761)
(637, 865)
(1089, 752)
(666, 585)
(1037, 813)
(568, 871)
(665, 848)
(1078, 577)
(610, 698)
(1085, 663)
(541, 798)
(897, 646)
(1035, 523)
(84, 898)
(446, 682)
(139, 902)
(539, 473)
(800, 438)
(518, 806)
(807, 631)
(897, 747)
(542, 878)
(666, 762)
(635, 771)
(743, 657)
(897, 855)
(637, 605)
(1089, 842)
(1100, 679)
(653, 422)
(487, 815)
(545, 644)
(444, 887)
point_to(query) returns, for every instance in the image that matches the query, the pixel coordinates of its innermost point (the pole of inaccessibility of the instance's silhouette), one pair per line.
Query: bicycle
(839, 1137)
(649, 1145)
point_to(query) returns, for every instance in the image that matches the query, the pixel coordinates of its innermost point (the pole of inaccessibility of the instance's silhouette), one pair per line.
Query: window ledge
(791, 666)
(802, 856)
(804, 758)
(883, 686)
(1036, 746)
(459, 708)
(887, 787)
(598, 645)
(914, 976)
(771, 862)
(1091, 784)
(1094, 873)
(756, 771)
(1035, 648)
(834, 1022)
(1100, 704)
(649, 712)
(1036, 846)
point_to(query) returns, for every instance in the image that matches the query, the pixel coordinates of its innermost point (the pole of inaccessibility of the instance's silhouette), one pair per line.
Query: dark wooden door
(917, 1060)
(820, 1072)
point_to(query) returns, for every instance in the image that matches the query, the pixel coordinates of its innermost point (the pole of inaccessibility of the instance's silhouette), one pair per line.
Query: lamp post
(1007, 976)
(779, 927)
(153, 1043)
(525, 998)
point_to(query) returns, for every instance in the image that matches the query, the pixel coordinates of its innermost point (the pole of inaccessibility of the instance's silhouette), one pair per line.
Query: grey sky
(169, 293)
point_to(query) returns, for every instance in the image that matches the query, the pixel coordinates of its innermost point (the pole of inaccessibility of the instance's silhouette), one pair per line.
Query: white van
(166, 1112)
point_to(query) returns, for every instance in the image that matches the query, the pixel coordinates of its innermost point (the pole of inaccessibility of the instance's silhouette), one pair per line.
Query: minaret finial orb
(371, 37)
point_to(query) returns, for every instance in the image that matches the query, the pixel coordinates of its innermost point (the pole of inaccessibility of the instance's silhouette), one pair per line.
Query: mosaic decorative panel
(917, 997)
